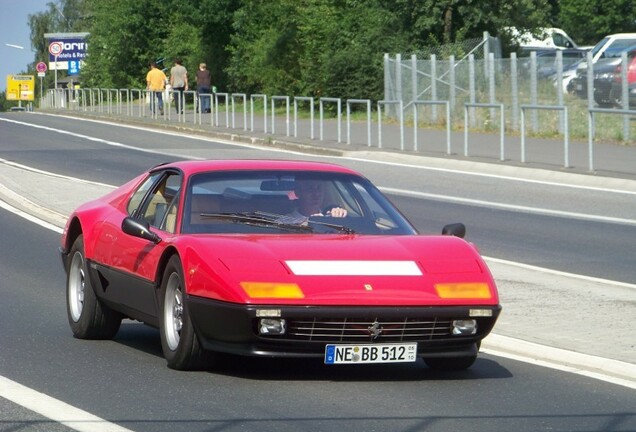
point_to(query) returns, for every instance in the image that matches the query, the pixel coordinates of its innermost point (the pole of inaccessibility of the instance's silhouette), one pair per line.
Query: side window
(163, 196)
(140, 193)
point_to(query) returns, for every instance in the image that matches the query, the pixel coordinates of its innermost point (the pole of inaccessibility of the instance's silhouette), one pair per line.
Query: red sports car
(274, 258)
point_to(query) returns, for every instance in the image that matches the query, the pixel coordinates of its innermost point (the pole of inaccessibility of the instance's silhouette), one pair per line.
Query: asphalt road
(125, 381)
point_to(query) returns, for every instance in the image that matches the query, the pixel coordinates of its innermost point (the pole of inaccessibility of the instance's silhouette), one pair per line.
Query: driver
(311, 195)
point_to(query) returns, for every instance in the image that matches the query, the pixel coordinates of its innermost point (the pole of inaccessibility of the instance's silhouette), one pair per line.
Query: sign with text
(20, 87)
(64, 51)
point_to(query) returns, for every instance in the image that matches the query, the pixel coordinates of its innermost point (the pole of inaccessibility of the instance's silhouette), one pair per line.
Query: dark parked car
(546, 60)
(616, 92)
(604, 72)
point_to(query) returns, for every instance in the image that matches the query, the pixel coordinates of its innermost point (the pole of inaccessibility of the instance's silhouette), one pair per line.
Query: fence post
(398, 77)
(533, 90)
(434, 85)
(625, 95)
(514, 84)
(491, 83)
(471, 88)
(451, 82)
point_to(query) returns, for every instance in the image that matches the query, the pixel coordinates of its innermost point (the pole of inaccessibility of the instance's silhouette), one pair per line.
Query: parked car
(604, 73)
(220, 258)
(606, 47)
(546, 60)
(616, 92)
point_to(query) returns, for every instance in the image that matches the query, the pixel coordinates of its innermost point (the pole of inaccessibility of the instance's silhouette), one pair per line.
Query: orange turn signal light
(463, 290)
(272, 290)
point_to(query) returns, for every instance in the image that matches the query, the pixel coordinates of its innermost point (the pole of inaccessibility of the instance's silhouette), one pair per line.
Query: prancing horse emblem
(375, 330)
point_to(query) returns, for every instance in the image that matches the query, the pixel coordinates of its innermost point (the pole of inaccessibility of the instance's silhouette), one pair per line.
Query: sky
(14, 30)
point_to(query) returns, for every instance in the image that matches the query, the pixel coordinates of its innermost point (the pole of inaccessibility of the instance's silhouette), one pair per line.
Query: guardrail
(566, 135)
(591, 128)
(134, 103)
(501, 125)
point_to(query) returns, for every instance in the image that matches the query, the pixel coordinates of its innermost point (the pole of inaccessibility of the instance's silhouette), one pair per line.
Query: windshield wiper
(259, 218)
(294, 220)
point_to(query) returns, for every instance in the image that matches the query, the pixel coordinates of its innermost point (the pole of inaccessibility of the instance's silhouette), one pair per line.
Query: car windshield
(282, 202)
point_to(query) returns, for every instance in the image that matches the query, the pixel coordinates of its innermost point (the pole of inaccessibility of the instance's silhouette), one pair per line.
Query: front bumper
(233, 328)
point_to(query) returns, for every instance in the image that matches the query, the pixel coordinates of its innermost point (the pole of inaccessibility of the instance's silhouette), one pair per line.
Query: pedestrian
(179, 83)
(155, 84)
(204, 80)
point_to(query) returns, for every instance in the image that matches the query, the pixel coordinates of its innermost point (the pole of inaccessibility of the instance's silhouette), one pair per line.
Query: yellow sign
(21, 87)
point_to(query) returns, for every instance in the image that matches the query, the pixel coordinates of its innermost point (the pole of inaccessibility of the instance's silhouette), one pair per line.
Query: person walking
(155, 84)
(179, 83)
(204, 80)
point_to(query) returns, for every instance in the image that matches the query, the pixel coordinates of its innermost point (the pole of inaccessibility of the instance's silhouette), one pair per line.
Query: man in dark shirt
(203, 87)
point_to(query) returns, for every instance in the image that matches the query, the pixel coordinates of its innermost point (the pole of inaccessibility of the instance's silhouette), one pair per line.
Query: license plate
(371, 353)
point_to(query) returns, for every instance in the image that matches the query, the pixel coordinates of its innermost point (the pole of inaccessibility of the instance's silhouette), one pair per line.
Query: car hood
(336, 269)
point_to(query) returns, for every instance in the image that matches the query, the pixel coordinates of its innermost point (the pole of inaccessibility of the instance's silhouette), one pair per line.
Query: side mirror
(139, 229)
(455, 229)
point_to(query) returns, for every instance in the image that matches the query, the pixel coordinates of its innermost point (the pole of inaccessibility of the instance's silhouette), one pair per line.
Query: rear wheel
(178, 339)
(87, 316)
(450, 363)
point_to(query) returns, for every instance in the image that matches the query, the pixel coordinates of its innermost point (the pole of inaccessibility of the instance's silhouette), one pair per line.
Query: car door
(129, 263)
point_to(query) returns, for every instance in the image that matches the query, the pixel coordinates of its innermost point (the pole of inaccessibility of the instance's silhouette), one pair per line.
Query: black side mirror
(137, 228)
(455, 229)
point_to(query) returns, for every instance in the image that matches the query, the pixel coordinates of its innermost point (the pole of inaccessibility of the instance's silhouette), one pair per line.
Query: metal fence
(513, 82)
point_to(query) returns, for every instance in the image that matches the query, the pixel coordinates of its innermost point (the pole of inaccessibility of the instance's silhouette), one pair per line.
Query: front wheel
(87, 316)
(179, 342)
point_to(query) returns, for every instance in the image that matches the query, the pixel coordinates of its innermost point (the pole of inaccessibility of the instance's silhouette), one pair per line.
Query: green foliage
(331, 48)
(588, 21)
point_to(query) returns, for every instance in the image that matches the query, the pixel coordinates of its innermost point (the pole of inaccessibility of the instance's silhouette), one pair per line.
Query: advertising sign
(20, 87)
(65, 48)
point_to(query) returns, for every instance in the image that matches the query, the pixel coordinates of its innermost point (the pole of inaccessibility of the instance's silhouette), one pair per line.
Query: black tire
(450, 363)
(87, 316)
(179, 341)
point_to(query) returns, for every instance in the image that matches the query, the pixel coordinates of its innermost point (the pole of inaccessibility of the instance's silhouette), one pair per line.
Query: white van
(546, 38)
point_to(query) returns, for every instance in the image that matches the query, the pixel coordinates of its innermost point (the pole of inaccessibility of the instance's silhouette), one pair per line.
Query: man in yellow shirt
(156, 83)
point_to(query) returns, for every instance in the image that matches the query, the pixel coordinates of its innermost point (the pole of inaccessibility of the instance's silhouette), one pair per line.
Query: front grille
(338, 330)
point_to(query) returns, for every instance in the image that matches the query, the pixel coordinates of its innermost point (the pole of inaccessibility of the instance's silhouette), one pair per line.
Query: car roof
(193, 167)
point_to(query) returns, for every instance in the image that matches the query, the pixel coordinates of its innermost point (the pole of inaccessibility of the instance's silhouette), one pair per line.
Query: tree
(588, 21)
(436, 22)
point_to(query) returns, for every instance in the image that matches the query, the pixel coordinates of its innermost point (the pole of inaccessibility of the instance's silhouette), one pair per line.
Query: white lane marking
(30, 218)
(54, 409)
(354, 268)
(511, 207)
(98, 140)
(353, 158)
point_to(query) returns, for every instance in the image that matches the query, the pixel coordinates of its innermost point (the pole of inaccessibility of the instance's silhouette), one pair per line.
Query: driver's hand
(337, 212)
